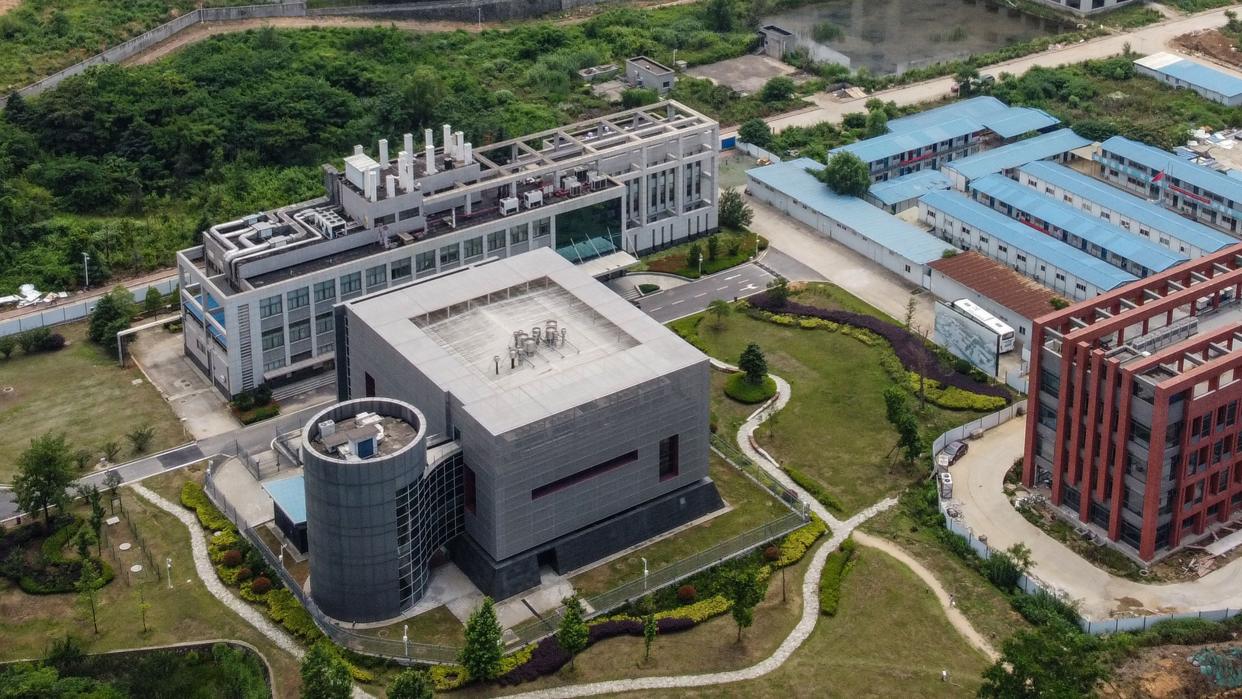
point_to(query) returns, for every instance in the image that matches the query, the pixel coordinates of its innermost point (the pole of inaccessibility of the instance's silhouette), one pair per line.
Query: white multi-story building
(257, 295)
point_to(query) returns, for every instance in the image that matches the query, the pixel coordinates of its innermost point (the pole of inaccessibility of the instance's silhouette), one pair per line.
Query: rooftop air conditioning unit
(327, 428)
(508, 205)
(534, 198)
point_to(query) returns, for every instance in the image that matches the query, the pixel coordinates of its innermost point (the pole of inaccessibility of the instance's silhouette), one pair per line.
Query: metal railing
(730, 453)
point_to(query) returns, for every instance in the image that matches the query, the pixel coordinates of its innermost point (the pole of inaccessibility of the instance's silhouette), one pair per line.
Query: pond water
(893, 36)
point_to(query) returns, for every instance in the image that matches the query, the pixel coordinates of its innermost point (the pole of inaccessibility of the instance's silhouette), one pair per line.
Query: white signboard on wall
(967, 338)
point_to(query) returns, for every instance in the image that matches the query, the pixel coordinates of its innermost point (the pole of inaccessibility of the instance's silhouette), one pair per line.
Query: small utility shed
(1015, 299)
(899, 247)
(901, 193)
(1175, 71)
(289, 509)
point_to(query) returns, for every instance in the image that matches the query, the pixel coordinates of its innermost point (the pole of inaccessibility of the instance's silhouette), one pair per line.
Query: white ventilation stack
(358, 150)
(447, 141)
(372, 182)
(459, 146)
(407, 142)
(383, 151)
(430, 156)
(468, 154)
(405, 170)
(428, 135)
(391, 187)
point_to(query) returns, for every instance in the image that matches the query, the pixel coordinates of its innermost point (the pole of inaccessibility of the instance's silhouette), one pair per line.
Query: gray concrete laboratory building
(538, 420)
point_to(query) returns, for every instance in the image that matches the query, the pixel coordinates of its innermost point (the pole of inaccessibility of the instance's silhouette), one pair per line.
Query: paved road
(978, 487)
(1149, 39)
(733, 283)
(254, 438)
(788, 267)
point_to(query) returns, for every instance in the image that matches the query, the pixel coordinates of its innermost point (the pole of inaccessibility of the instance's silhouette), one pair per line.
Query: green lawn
(81, 392)
(834, 429)
(674, 259)
(984, 605)
(890, 638)
(29, 623)
(751, 507)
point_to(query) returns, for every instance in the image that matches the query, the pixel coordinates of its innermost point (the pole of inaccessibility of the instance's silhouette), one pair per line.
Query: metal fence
(70, 309)
(730, 453)
(261, 466)
(1032, 585)
(984, 423)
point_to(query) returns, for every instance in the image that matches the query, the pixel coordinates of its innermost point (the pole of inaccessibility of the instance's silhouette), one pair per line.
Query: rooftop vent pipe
(383, 151)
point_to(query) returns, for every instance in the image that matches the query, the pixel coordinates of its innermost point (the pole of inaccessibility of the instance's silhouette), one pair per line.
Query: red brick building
(1134, 399)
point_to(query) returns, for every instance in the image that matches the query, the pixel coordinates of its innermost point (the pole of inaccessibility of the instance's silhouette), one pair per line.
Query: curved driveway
(978, 486)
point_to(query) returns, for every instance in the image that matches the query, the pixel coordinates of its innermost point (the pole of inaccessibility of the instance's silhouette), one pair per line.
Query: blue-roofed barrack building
(1148, 220)
(1210, 197)
(1082, 231)
(1175, 71)
(972, 226)
(1054, 145)
(900, 247)
(901, 193)
(930, 139)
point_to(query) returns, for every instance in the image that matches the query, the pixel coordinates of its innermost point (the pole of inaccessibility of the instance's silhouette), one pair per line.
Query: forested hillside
(129, 163)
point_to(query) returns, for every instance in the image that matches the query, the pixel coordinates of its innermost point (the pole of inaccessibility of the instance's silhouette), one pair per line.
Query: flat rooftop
(393, 434)
(1156, 160)
(289, 494)
(1022, 295)
(1193, 73)
(1018, 153)
(459, 330)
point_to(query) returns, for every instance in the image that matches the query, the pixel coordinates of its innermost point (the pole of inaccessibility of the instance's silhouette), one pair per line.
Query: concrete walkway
(810, 582)
(978, 487)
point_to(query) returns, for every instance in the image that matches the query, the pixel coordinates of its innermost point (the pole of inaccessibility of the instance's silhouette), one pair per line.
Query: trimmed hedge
(798, 542)
(743, 391)
(648, 288)
(193, 497)
(285, 609)
(953, 398)
(253, 415)
(813, 487)
(835, 569)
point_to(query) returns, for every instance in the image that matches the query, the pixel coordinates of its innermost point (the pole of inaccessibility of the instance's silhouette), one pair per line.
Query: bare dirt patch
(1212, 44)
(1162, 673)
(6, 5)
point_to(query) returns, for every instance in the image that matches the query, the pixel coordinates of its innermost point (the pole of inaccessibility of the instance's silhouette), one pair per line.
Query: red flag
(1159, 176)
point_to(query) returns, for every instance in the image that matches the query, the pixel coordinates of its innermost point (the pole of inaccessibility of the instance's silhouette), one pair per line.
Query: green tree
(112, 481)
(8, 343)
(152, 302)
(411, 684)
(967, 78)
(83, 541)
(113, 313)
(44, 474)
(650, 629)
(713, 247)
(741, 588)
(573, 634)
(877, 123)
(895, 407)
(95, 499)
(719, 310)
(720, 15)
(140, 438)
(734, 211)
(909, 437)
(755, 131)
(82, 458)
(753, 364)
(638, 97)
(778, 291)
(111, 449)
(694, 257)
(143, 607)
(1056, 661)
(846, 174)
(324, 673)
(483, 648)
(89, 582)
(778, 89)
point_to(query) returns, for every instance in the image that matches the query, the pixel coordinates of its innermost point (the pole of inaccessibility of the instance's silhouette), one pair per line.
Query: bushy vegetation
(129, 164)
(743, 391)
(835, 569)
(35, 557)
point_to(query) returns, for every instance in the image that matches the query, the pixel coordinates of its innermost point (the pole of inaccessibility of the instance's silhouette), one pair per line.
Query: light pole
(645, 571)
(168, 566)
(405, 639)
(86, 270)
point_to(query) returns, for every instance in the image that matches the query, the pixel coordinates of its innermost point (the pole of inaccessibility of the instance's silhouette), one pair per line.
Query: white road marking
(733, 277)
(677, 302)
(652, 310)
(718, 289)
(702, 294)
(748, 287)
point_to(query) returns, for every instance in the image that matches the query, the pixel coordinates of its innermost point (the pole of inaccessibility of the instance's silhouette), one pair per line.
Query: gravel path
(202, 565)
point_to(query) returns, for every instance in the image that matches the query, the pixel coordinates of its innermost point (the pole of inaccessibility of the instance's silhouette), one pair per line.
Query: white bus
(987, 320)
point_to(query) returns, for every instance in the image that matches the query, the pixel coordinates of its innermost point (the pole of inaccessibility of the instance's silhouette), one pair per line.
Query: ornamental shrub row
(813, 487)
(798, 542)
(193, 497)
(835, 569)
(954, 398)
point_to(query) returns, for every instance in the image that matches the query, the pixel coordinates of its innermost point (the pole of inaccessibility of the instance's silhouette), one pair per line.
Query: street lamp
(645, 571)
(168, 566)
(405, 638)
(86, 269)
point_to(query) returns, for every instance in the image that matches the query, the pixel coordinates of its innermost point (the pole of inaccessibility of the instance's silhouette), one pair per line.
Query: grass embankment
(187, 612)
(733, 247)
(81, 392)
(834, 429)
(889, 638)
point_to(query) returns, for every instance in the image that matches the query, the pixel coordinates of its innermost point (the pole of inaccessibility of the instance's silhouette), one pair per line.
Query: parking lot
(746, 74)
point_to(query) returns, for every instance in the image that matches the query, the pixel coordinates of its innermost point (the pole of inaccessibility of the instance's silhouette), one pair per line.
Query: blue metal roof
(1158, 160)
(1141, 210)
(911, 186)
(1199, 75)
(1089, 228)
(976, 108)
(1019, 120)
(1090, 269)
(899, 142)
(289, 494)
(1018, 153)
(792, 179)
